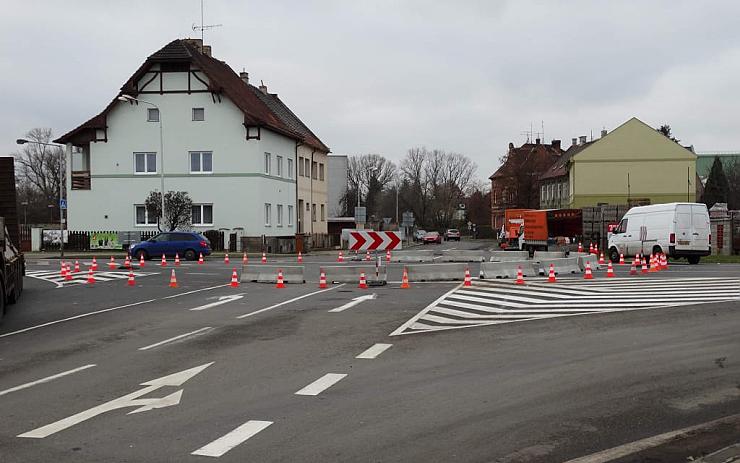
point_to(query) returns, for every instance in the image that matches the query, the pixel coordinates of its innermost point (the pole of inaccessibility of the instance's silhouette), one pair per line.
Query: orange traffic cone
(141, 261)
(200, 259)
(90, 276)
(340, 257)
(610, 270)
(590, 248)
(131, 281)
(234, 279)
(664, 261)
(551, 275)
(280, 282)
(363, 282)
(300, 257)
(644, 265)
(588, 275)
(322, 280)
(226, 258)
(653, 266)
(173, 279)
(264, 258)
(633, 267)
(519, 276)
(468, 281)
(580, 247)
(405, 279)
(127, 262)
(177, 259)
(69, 273)
(367, 255)
(94, 264)
(621, 259)
(601, 259)
(596, 249)
(245, 259)
(112, 264)
(77, 266)
(388, 255)
(164, 261)
(62, 269)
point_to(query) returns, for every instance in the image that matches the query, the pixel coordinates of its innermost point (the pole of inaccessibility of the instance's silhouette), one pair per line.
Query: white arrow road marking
(354, 302)
(374, 351)
(221, 300)
(321, 384)
(45, 380)
(230, 440)
(129, 400)
(207, 328)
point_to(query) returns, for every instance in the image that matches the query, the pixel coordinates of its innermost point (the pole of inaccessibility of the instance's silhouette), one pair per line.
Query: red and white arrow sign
(374, 241)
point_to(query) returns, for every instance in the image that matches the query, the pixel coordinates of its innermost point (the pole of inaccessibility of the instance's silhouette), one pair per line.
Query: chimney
(536, 141)
(583, 139)
(574, 141)
(263, 87)
(206, 50)
(511, 146)
(603, 133)
(556, 144)
(244, 76)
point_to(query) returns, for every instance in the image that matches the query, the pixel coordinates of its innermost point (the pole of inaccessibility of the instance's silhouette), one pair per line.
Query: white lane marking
(46, 380)
(175, 338)
(87, 314)
(221, 300)
(321, 384)
(374, 351)
(195, 291)
(416, 317)
(289, 301)
(230, 440)
(354, 302)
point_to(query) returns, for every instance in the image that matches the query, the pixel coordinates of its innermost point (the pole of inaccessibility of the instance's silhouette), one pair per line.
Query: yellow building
(634, 164)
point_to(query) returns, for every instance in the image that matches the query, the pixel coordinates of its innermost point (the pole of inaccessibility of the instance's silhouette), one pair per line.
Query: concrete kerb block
(436, 272)
(583, 257)
(492, 270)
(412, 256)
(562, 266)
(509, 256)
(463, 256)
(262, 273)
(351, 273)
(548, 255)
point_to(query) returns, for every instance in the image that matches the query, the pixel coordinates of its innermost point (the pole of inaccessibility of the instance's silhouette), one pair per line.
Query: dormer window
(199, 114)
(152, 114)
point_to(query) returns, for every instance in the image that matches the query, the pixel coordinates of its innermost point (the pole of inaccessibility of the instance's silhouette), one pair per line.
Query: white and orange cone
(226, 258)
(610, 270)
(300, 257)
(363, 281)
(340, 257)
(621, 259)
(405, 279)
(245, 259)
(62, 269)
(468, 281)
(653, 264)
(644, 265)
(141, 261)
(77, 266)
(177, 259)
(367, 255)
(131, 280)
(519, 276)
(596, 249)
(590, 248)
(588, 275)
(200, 259)
(663, 261)
(112, 264)
(94, 264)
(280, 281)
(173, 279)
(633, 267)
(551, 275)
(164, 261)
(127, 262)
(90, 276)
(601, 259)
(69, 273)
(322, 280)
(264, 258)
(580, 247)
(388, 255)
(234, 279)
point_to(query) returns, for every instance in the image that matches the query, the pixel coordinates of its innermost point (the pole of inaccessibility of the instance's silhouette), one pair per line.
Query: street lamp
(129, 99)
(23, 141)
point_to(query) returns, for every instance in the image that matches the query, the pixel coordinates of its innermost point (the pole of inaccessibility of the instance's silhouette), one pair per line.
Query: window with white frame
(145, 163)
(142, 216)
(290, 168)
(202, 214)
(290, 215)
(199, 114)
(300, 166)
(279, 218)
(268, 214)
(268, 163)
(321, 171)
(152, 114)
(201, 162)
(279, 162)
(323, 213)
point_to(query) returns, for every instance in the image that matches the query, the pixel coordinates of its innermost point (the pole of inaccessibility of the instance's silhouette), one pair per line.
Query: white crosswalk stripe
(80, 277)
(501, 301)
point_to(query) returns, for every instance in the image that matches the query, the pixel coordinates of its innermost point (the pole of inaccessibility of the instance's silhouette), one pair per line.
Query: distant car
(452, 234)
(419, 234)
(187, 245)
(432, 237)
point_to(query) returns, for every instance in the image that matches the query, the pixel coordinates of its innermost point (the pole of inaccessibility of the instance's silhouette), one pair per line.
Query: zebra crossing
(80, 277)
(501, 301)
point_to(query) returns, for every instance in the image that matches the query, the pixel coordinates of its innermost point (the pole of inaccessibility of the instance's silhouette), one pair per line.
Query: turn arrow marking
(354, 302)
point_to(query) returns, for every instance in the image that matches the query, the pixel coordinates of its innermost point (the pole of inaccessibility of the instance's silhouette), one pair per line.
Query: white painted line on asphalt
(195, 291)
(228, 441)
(413, 319)
(354, 302)
(221, 300)
(374, 351)
(207, 328)
(46, 380)
(96, 312)
(289, 301)
(322, 384)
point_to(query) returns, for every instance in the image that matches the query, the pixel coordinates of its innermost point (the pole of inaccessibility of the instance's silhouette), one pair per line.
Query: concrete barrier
(562, 266)
(351, 273)
(583, 257)
(262, 273)
(509, 256)
(491, 270)
(464, 256)
(412, 256)
(548, 255)
(436, 272)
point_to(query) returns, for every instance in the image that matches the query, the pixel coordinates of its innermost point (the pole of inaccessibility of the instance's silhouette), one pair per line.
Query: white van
(677, 229)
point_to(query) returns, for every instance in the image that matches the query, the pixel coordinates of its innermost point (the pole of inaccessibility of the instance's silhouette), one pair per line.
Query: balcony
(80, 179)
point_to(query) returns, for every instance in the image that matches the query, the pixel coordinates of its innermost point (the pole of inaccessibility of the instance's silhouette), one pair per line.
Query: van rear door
(700, 223)
(684, 227)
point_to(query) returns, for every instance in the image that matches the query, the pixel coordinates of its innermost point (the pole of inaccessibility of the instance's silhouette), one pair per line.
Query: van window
(683, 221)
(622, 227)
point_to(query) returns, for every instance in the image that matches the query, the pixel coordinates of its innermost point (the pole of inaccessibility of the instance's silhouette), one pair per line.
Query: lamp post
(129, 98)
(23, 141)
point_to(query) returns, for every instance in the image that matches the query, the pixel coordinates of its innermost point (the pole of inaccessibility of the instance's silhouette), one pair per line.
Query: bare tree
(369, 174)
(39, 171)
(178, 209)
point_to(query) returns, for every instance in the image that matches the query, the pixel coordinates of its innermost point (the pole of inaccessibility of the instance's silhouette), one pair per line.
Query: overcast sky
(383, 76)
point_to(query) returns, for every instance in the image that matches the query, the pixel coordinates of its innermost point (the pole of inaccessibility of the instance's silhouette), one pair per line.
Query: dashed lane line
(175, 338)
(46, 380)
(374, 351)
(322, 384)
(230, 440)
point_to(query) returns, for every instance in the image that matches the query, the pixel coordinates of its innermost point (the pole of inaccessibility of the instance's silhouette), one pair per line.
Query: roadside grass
(718, 259)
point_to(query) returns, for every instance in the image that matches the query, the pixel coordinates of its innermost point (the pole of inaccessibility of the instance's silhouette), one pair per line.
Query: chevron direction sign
(374, 241)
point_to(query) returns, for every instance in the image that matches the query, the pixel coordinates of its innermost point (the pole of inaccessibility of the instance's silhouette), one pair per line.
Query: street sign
(407, 219)
(62, 203)
(374, 241)
(386, 220)
(360, 215)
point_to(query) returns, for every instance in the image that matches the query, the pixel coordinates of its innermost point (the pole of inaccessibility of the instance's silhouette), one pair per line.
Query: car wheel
(190, 254)
(693, 260)
(657, 250)
(614, 255)
(17, 288)
(141, 254)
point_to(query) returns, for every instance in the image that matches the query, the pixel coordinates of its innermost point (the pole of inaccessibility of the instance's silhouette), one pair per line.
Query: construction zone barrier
(463, 256)
(412, 256)
(548, 255)
(583, 258)
(351, 273)
(269, 273)
(509, 256)
(491, 270)
(562, 266)
(436, 272)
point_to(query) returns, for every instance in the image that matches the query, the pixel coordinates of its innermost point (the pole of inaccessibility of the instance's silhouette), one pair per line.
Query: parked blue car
(188, 245)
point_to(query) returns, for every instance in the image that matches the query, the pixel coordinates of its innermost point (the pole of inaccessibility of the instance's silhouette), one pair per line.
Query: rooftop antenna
(203, 26)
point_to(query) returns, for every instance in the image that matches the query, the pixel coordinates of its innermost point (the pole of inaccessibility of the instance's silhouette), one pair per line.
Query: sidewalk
(726, 455)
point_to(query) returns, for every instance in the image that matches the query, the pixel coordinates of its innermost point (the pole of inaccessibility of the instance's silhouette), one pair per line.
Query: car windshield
(432, 234)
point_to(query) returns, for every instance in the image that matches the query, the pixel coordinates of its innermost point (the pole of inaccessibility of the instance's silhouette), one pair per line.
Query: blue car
(187, 245)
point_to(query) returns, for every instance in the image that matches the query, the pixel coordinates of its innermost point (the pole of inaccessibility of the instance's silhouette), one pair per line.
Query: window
(199, 114)
(142, 216)
(323, 213)
(543, 193)
(300, 166)
(290, 168)
(308, 167)
(201, 162)
(202, 214)
(313, 213)
(290, 215)
(622, 228)
(314, 170)
(279, 160)
(279, 218)
(268, 161)
(152, 114)
(268, 212)
(321, 172)
(145, 163)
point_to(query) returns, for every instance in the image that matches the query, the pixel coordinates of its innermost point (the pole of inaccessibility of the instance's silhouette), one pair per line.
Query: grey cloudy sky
(383, 76)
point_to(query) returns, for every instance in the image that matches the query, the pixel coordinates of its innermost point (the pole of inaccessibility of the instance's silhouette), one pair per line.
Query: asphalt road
(542, 390)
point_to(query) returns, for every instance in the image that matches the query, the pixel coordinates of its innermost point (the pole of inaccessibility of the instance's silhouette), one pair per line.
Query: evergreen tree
(717, 187)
